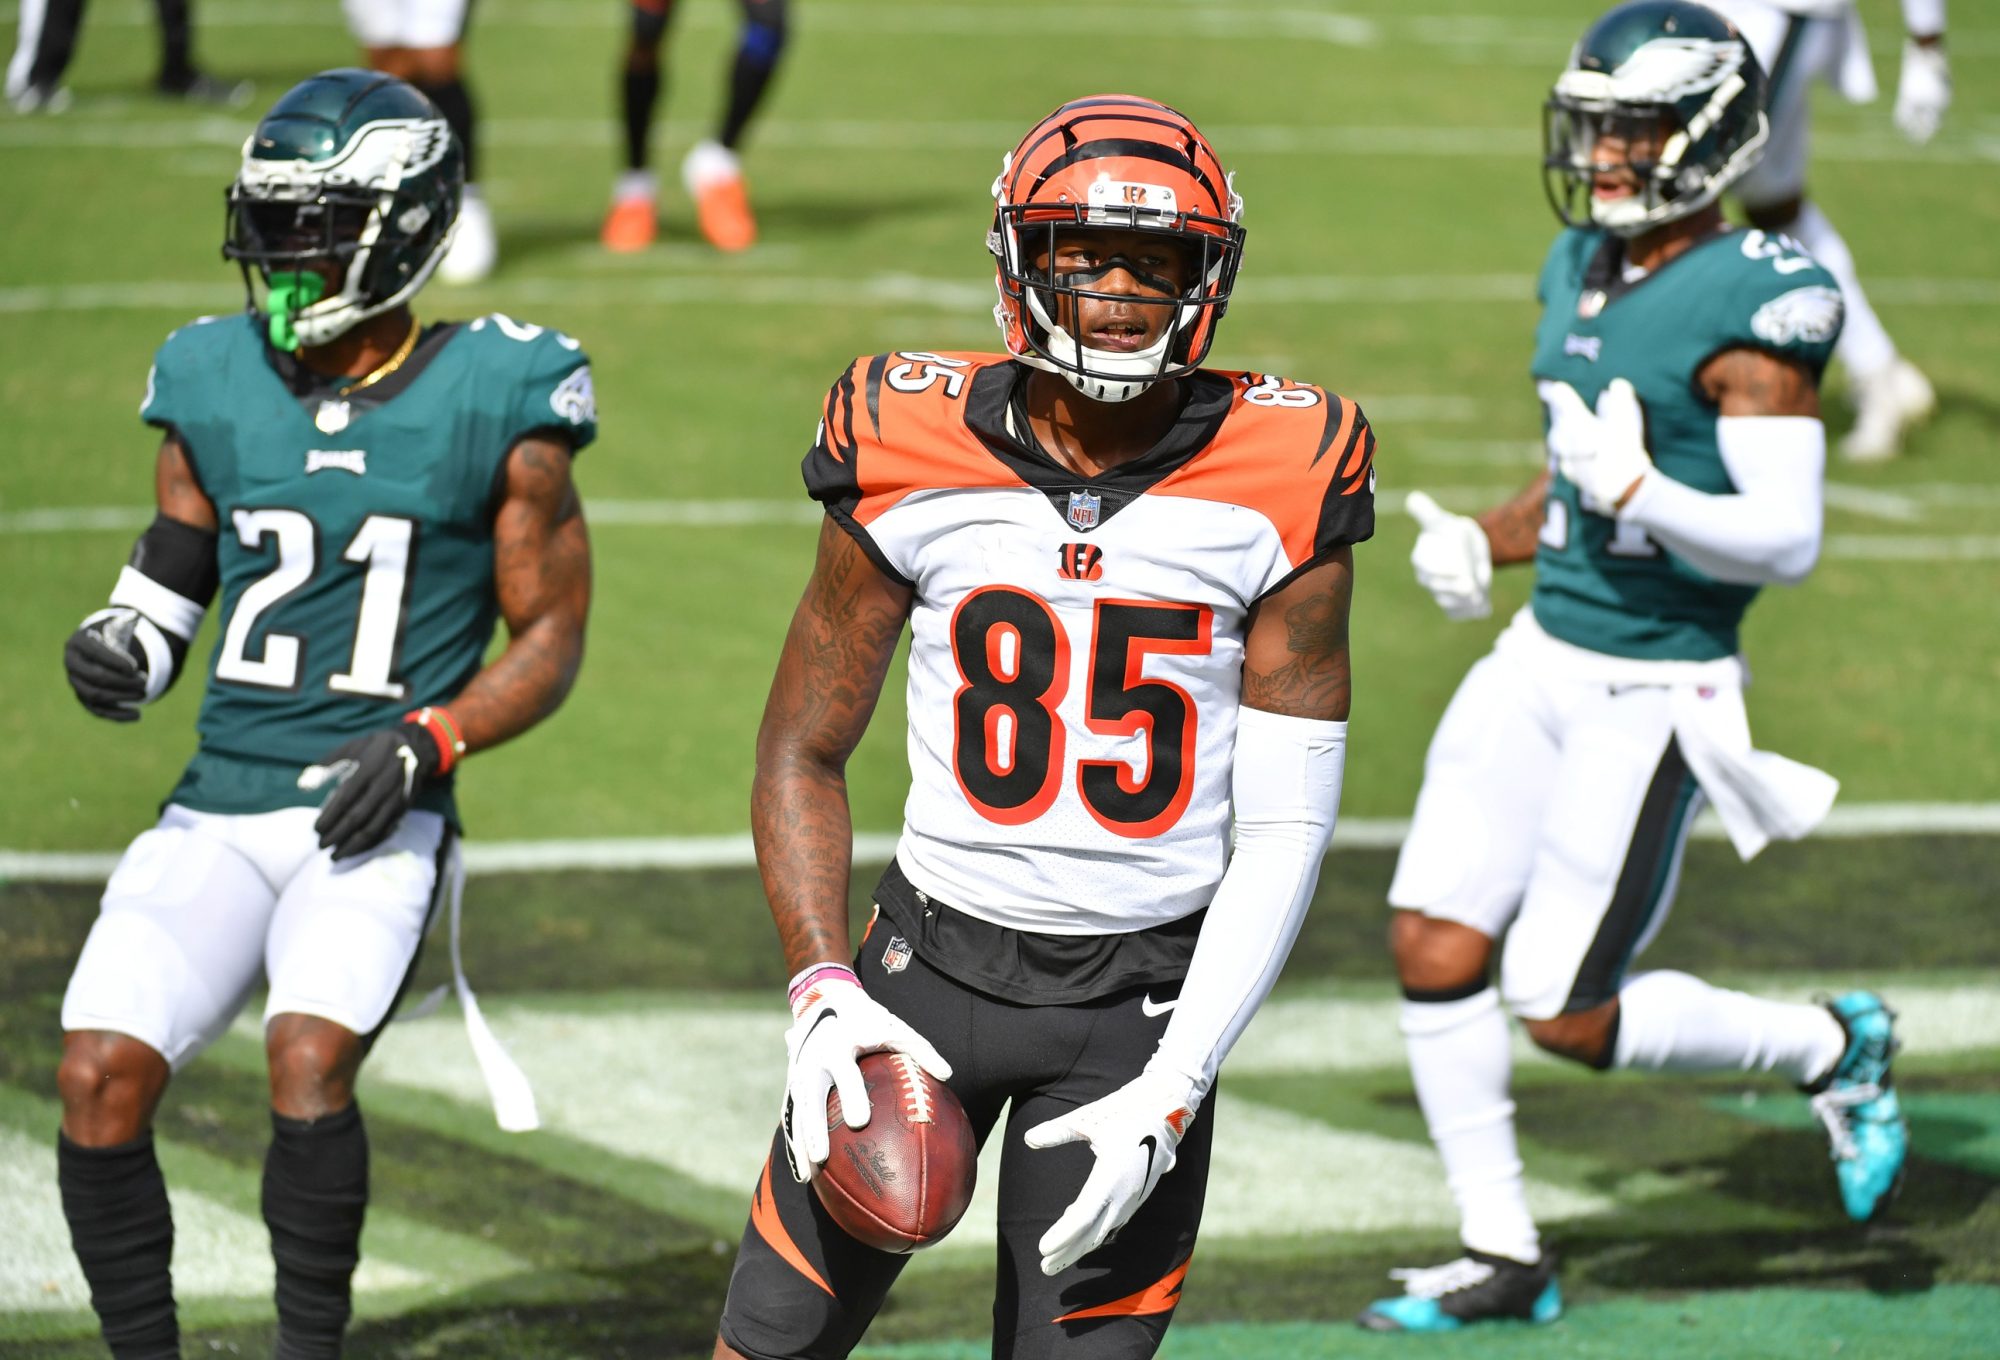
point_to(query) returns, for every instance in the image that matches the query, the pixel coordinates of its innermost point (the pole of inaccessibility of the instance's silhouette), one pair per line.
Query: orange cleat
(632, 224)
(714, 180)
(722, 207)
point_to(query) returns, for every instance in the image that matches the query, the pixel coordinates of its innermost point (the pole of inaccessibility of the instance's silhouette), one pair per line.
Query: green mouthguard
(291, 292)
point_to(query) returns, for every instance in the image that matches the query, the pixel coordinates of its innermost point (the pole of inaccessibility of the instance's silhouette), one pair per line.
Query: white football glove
(1135, 1133)
(834, 1022)
(1602, 453)
(1453, 559)
(1923, 92)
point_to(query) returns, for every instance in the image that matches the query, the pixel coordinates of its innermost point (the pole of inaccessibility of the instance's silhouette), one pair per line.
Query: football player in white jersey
(1126, 580)
(1679, 363)
(1800, 42)
(418, 41)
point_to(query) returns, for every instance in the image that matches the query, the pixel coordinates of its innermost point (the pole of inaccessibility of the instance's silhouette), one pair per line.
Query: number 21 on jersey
(382, 543)
(1009, 741)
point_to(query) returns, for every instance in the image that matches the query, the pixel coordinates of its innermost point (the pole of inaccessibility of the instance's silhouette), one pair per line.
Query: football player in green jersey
(369, 495)
(1679, 362)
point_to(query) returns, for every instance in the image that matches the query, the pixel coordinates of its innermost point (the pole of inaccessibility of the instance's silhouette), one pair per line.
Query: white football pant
(406, 23)
(1558, 807)
(204, 906)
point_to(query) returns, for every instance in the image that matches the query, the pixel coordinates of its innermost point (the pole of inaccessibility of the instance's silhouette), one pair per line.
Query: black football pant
(46, 42)
(804, 1290)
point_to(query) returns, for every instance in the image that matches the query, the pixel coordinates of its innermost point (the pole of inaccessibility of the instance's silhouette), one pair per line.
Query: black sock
(315, 1196)
(642, 93)
(454, 101)
(756, 60)
(116, 1202)
(176, 44)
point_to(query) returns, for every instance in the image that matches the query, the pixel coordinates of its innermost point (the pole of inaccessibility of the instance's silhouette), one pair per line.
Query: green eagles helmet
(346, 201)
(1677, 79)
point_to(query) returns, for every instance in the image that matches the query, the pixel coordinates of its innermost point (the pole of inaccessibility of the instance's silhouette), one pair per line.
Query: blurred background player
(419, 41)
(1678, 361)
(364, 529)
(1126, 580)
(1800, 42)
(46, 41)
(712, 171)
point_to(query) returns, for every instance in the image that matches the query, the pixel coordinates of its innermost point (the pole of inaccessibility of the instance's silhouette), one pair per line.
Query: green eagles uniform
(356, 533)
(1606, 586)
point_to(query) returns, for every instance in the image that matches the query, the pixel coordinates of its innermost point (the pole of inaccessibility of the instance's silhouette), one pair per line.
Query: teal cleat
(1857, 1103)
(1478, 1287)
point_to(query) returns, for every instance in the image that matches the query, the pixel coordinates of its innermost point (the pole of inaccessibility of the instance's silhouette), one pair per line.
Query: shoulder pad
(1299, 455)
(893, 425)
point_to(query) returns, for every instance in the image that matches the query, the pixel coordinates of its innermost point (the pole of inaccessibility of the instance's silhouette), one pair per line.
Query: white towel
(1758, 795)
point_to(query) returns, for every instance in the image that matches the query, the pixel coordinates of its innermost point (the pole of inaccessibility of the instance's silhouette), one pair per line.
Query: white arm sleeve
(1286, 789)
(1768, 531)
(1923, 18)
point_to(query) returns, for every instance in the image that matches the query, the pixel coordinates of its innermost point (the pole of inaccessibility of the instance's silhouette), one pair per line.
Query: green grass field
(1388, 160)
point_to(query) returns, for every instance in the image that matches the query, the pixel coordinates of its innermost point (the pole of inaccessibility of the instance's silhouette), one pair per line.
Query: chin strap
(291, 292)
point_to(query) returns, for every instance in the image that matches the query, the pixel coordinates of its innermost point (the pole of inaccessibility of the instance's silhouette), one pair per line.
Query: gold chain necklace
(389, 365)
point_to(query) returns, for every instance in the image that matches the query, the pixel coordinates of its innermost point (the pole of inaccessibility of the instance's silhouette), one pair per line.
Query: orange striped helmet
(1120, 162)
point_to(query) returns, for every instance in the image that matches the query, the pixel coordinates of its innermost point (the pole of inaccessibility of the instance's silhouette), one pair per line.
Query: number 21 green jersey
(356, 532)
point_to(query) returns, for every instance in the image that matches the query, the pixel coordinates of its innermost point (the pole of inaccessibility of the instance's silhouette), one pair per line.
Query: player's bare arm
(1511, 527)
(175, 487)
(541, 576)
(1295, 659)
(829, 677)
(1750, 382)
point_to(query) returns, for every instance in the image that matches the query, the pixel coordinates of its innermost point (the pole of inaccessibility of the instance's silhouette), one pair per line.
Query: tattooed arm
(1768, 433)
(1295, 650)
(1750, 382)
(830, 675)
(541, 573)
(1513, 525)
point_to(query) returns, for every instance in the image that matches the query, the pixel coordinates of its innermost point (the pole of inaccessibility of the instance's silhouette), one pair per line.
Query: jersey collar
(996, 411)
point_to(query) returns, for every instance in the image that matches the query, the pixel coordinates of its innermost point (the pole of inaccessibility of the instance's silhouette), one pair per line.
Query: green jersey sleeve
(553, 392)
(182, 372)
(1781, 301)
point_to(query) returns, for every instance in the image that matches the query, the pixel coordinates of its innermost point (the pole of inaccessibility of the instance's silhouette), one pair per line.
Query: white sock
(706, 163)
(1462, 1068)
(1865, 346)
(636, 184)
(1670, 1022)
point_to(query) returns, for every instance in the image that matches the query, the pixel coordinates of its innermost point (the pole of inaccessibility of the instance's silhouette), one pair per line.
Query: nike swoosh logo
(1149, 1007)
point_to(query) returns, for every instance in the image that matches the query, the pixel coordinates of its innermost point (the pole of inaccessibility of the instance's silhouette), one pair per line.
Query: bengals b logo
(1080, 562)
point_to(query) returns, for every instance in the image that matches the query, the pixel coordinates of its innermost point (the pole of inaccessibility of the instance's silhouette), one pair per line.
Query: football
(904, 1179)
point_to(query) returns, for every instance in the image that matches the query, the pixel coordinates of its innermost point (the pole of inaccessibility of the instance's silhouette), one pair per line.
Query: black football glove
(106, 665)
(379, 776)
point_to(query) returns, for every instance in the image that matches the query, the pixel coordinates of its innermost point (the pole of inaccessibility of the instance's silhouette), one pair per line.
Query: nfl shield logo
(897, 956)
(1084, 509)
(332, 417)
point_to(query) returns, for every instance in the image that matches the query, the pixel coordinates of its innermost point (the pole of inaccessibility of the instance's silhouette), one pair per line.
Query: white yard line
(968, 294)
(1872, 504)
(218, 1251)
(129, 132)
(723, 514)
(720, 1069)
(737, 852)
(1914, 547)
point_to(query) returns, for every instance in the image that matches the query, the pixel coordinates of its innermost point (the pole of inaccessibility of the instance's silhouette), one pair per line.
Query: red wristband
(444, 731)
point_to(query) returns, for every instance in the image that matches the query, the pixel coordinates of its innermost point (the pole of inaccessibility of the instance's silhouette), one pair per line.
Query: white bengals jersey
(1076, 655)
